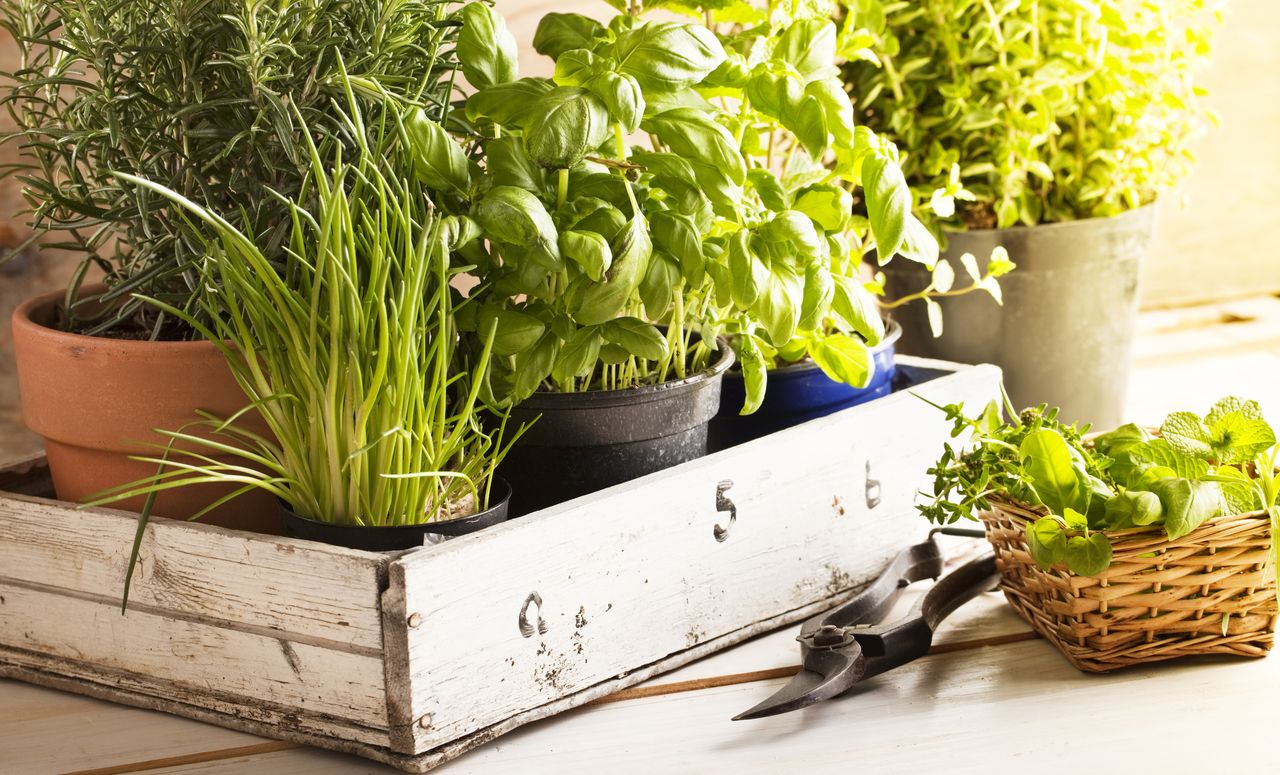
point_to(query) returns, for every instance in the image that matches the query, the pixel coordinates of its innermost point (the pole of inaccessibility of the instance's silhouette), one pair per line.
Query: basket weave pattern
(1210, 592)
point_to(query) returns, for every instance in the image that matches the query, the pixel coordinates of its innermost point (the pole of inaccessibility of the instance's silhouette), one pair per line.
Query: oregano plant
(1031, 112)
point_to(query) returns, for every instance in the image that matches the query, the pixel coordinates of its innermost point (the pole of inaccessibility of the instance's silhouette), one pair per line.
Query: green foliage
(215, 100)
(1197, 469)
(1031, 112)
(349, 351)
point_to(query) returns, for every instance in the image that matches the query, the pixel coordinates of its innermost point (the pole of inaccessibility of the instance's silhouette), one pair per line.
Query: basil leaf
(578, 355)
(561, 32)
(589, 250)
(769, 190)
(745, 270)
(838, 110)
(708, 147)
(819, 291)
(666, 55)
(564, 126)
(858, 308)
(438, 161)
(516, 331)
(777, 303)
(660, 284)
(831, 207)
(508, 164)
(641, 339)
(622, 97)
(534, 365)
(844, 359)
(888, 203)
(677, 236)
(603, 301)
(513, 216)
(809, 45)
(487, 51)
(576, 67)
(1058, 484)
(508, 104)
(1187, 504)
(754, 372)
(775, 94)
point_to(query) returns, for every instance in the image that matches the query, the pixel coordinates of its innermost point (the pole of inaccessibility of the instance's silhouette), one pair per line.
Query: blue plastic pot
(797, 394)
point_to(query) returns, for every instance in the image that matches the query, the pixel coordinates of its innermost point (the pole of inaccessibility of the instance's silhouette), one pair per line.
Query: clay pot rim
(23, 322)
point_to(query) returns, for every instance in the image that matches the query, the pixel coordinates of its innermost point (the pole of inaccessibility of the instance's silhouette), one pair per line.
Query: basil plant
(673, 182)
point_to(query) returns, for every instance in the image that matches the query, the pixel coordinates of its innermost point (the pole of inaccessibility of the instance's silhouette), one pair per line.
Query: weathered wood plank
(194, 660)
(635, 573)
(301, 590)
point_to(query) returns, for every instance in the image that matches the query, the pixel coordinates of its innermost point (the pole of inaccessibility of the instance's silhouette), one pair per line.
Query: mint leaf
(1240, 493)
(1232, 405)
(1188, 435)
(1162, 453)
(1088, 556)
(1238, 438)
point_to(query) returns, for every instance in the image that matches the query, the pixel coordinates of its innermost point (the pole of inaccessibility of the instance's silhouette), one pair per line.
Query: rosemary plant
(209, 98)
(350, 352)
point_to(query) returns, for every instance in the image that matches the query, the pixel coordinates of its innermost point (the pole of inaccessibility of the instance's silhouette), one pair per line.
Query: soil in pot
(1064, 334)
(584, 442)
(97, 400)
(399, 537)
(797, 393)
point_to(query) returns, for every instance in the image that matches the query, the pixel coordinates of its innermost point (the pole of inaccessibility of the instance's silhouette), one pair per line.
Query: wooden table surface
(992, 697)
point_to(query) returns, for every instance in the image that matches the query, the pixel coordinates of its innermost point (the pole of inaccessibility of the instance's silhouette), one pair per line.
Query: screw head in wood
(415, 621)
(425, 721)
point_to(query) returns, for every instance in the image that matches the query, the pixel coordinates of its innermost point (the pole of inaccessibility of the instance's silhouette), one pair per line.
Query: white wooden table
(991, 698)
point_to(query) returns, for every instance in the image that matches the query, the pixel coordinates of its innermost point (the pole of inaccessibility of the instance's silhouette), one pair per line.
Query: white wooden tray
(414, 658)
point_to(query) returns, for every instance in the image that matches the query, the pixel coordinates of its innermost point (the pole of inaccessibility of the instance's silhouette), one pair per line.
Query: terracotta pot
(97, 400)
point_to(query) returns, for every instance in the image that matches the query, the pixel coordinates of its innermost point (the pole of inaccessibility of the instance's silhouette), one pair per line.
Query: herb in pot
(732, 216)
(215, 100)
(350, 350)
(1192, 470)
(1032, 112)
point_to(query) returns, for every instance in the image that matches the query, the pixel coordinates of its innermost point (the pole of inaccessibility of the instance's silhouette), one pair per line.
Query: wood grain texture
(191, 658)
(302, 591)
(633, 574)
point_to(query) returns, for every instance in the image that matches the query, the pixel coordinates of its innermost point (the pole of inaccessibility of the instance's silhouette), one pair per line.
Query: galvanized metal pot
(1065, 333)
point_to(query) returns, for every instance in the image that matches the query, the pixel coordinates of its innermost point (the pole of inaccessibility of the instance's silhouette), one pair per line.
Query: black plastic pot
(584, 442)
(1065, 333)
(796, 394)
(398, 537)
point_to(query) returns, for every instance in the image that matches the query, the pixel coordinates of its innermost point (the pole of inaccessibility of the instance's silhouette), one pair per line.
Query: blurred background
(1213, 243)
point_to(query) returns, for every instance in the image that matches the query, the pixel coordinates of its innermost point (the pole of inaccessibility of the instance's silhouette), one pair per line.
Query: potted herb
(350, 353)
(582, 270)
(1049, 130)
(1130, 547)
(209, 100)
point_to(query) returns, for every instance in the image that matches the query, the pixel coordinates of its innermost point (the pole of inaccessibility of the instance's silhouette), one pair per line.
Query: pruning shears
(849, 644)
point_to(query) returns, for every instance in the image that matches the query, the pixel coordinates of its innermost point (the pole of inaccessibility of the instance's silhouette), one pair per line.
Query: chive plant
(349, 351)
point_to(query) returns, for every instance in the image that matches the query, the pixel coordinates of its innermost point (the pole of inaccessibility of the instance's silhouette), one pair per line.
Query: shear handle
(872, 604)
(895, 644)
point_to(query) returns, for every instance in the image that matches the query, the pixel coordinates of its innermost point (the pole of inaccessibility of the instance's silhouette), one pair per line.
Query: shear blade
(826, 674)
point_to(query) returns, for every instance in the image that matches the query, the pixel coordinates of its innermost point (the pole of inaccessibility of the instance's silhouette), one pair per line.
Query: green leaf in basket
(1088, 556)
(1046, 541)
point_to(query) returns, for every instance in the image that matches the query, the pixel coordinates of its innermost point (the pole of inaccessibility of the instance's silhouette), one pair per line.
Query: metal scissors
(849, 644)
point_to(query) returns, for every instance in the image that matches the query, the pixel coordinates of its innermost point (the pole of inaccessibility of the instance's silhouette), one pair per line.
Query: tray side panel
(191, 657)
(521, 616)
(305, 591)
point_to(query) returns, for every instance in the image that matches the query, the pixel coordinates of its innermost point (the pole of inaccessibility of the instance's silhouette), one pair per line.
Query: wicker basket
(1210, 592)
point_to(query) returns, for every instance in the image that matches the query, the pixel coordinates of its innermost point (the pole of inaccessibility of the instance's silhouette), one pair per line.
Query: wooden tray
(413, 658)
